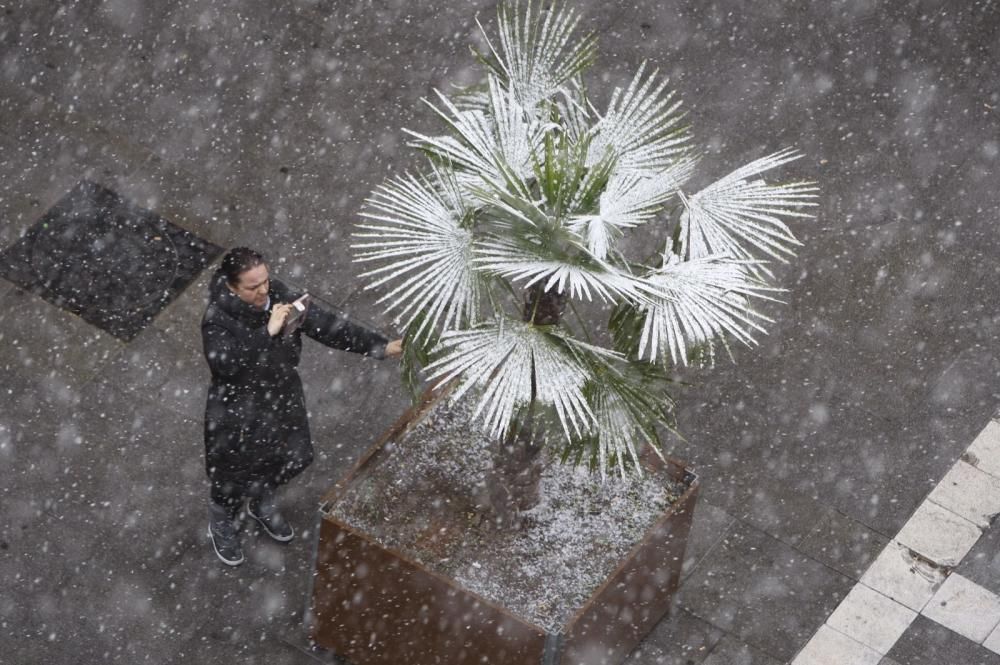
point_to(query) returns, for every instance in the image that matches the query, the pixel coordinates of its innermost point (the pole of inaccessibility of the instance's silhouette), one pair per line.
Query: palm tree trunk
(513, 485)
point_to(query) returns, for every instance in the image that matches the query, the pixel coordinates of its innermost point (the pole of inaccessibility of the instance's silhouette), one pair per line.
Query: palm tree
(519, 214)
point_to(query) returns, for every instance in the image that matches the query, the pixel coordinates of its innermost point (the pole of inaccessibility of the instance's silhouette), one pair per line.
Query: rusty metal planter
(376, 606)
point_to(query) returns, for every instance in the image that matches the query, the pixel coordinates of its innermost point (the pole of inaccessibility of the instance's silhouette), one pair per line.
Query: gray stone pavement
(252, 122)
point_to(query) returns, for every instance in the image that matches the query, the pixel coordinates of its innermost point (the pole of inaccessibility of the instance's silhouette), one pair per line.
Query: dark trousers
(255, 477)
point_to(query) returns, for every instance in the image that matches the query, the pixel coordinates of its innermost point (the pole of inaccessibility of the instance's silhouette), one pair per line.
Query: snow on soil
(425, 499)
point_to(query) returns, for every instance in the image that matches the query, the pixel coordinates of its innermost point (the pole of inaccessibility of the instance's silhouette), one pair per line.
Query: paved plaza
(850, 464)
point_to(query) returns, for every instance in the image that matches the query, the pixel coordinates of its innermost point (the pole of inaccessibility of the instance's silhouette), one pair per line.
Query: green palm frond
(626, 414)
(629, 200)
(698, 301)
(572, 110)
(528, 240)
(537, 56)
(418, 342)
(628, 401)
(642, 127)
(510, 363)
(568, 185)
(417, 228)
(736, 210)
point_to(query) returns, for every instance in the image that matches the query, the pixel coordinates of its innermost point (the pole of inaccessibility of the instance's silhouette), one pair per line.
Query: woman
(256, 427)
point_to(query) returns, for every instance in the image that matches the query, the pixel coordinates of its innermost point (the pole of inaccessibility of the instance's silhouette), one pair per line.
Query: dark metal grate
(104, 258)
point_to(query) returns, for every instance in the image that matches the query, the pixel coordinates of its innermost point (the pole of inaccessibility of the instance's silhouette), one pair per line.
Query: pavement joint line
(694, 566)
(913, 574)
(142, 151)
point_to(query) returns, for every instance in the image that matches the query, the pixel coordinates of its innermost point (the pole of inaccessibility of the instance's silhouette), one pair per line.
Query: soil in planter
(426, 499)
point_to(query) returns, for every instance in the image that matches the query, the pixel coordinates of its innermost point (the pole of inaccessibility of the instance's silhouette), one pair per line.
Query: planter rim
(409, 417)
(693, 485)
(451, 582)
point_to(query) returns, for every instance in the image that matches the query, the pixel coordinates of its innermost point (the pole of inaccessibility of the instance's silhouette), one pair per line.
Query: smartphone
(297, 316)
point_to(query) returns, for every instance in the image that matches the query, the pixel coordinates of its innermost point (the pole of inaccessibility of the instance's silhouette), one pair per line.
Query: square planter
(375, 605)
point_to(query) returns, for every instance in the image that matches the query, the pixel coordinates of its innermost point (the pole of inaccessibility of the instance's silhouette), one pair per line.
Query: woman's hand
(394, 349)
(279, 314)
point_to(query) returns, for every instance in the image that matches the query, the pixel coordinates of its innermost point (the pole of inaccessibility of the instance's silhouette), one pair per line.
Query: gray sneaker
(225, 537)
(273, 522)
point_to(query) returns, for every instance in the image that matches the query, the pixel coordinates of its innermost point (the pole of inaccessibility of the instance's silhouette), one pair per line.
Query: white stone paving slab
(969, 493)
(909, 575)
(939, 534)
(984, 453)
(831, 647)
(965, 607)
(869, 617)
(896, 573)
(993, 641)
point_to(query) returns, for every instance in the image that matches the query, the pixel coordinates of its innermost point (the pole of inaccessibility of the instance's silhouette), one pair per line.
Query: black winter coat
(256, 406)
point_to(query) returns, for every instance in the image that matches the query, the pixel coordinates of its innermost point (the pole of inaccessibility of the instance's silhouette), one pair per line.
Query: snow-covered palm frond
(537, 56)
(416, 228)
(471, 148)
(599, 234)
(735, 210)
(471, 98)
(503, 359)
(629, 200)
(519, 134)
(518, 259)
(642, 127)
(700, 300)
(484, 141)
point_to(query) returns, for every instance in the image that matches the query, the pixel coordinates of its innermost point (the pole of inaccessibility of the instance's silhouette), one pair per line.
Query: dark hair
(238, 261)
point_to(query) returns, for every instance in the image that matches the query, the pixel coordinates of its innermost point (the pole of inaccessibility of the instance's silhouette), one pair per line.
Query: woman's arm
(227, 354)
(337, 331)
